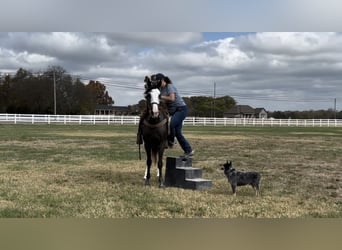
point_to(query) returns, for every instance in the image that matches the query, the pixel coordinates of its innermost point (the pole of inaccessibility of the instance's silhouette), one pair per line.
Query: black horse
(154, 130)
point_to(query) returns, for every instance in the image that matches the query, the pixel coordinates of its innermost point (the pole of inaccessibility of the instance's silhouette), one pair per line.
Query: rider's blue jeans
(176, 126)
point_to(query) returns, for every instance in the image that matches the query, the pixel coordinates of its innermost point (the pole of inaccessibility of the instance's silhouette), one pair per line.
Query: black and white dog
(238, 178)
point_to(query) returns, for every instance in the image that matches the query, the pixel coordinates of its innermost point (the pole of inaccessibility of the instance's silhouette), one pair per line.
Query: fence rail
(134, 120)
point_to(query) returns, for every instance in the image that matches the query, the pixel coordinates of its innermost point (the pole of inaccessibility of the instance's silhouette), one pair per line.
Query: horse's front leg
(160, 168)
(148, 167)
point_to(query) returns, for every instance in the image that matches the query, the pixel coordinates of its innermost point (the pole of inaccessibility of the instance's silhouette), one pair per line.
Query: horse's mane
(148, 89)
(149, 85)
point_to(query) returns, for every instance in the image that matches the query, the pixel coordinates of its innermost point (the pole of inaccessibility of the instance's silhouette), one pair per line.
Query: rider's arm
(170, 97)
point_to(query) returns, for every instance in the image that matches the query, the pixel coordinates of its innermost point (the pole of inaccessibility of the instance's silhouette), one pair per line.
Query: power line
(135, 86)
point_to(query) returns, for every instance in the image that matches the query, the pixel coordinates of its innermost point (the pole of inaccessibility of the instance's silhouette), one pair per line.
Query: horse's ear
(147, 83)
(147, 79)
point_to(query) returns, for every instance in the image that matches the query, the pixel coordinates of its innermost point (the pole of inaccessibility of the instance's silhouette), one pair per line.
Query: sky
(279, 55)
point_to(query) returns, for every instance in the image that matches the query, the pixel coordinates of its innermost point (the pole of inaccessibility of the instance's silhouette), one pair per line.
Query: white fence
(67, 119)
(134, 120)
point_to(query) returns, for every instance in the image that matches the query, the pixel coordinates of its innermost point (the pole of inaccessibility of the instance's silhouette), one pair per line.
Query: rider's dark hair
(160, 76)
(167, 80)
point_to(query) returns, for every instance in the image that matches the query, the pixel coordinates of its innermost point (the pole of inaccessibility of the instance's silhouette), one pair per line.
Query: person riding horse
(176, 108)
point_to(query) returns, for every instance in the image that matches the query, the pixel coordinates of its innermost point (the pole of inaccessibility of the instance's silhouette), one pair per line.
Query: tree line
(29, 93)
(199, 106)
(308, 114)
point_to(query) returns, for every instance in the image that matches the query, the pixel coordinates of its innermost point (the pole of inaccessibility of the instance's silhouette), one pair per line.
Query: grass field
(94, 172)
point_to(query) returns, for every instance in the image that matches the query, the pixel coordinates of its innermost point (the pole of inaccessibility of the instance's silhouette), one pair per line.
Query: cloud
(154, 38)
(276, 70)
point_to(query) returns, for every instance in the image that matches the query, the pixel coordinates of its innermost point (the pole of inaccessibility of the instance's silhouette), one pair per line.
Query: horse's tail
(139, 153)
(154, 157)
(155, 160)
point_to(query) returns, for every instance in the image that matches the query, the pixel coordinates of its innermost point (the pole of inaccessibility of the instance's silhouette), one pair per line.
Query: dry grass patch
(66, 173)
(222, 137)
(314, 133)
(97, 134)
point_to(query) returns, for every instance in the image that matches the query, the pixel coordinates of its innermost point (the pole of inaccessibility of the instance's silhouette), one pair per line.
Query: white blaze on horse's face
(155, 101)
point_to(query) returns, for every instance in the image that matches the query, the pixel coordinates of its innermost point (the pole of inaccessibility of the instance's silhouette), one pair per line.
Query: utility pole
(335, 108)
(54, 93)
(214, 99)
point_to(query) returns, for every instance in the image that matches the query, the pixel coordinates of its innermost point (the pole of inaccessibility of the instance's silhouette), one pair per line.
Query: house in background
(245, 111)
(260, 113)
(104, 110)
(111, 110)
(121, 110)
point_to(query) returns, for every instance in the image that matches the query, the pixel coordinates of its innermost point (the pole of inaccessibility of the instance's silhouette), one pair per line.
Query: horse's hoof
(147, 183)
(161, 186)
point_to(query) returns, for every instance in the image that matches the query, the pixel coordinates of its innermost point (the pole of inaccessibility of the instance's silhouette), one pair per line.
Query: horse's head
(152, 98)
(152, 93)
